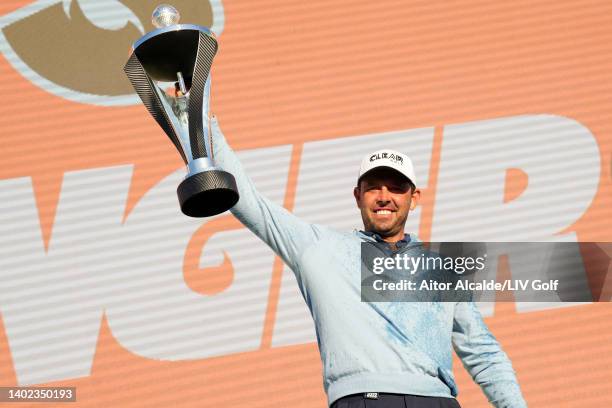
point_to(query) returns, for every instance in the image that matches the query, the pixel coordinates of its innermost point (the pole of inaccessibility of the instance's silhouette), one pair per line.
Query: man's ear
(415, 198)
(356, 194)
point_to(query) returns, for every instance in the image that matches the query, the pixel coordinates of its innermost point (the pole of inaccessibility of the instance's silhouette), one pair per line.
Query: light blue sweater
(396, 347)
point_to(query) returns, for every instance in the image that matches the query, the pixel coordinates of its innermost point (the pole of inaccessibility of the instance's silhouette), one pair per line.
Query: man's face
(385, 197)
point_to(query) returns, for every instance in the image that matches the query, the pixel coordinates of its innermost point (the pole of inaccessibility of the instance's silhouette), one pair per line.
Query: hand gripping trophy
(182, 54)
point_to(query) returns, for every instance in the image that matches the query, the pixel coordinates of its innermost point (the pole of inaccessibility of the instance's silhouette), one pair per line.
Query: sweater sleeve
(285, 233)
(484, 359)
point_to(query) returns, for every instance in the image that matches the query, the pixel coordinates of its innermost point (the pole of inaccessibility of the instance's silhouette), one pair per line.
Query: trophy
(181, 55)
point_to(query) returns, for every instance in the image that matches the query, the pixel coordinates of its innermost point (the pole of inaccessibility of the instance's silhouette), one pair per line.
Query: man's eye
(397, 189)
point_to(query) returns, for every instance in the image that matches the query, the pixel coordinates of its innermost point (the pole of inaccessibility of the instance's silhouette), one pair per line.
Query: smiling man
(386, 193)
(377, 355)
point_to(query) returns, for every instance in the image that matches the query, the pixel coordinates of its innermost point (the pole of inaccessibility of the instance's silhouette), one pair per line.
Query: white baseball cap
(388, 158)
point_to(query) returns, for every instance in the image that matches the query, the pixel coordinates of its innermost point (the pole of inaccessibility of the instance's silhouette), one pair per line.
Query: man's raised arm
(285, 233)
(484, 359)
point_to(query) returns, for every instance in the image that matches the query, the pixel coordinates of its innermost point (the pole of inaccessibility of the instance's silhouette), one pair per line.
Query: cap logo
(397, 159)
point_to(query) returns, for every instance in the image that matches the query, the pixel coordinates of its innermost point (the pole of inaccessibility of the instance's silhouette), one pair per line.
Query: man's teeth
(383, 212)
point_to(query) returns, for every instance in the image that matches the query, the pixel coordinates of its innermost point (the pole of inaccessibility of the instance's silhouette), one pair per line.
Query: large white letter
(52, 303)
(559, 156)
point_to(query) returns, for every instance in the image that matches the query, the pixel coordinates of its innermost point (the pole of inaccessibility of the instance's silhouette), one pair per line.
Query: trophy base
(207, 193)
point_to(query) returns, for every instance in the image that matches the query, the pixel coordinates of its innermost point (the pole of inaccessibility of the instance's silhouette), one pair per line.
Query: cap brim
(384, 167)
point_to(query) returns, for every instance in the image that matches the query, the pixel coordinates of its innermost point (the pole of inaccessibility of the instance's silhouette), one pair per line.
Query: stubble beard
(384, 229)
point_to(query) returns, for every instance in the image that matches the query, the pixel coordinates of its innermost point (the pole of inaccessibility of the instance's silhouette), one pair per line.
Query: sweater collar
(408, 240)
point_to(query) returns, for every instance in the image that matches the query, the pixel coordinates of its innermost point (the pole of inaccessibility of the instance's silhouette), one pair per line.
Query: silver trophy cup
(181, 55)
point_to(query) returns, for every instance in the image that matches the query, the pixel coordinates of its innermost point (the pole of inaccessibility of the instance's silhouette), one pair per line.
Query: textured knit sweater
(395, 347)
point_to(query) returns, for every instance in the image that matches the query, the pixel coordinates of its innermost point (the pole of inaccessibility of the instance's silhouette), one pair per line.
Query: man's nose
(383, 195)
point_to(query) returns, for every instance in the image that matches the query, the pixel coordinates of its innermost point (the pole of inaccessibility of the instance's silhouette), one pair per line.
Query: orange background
(291, 71)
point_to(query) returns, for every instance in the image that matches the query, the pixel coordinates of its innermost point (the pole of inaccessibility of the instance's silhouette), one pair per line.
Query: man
(386, 354)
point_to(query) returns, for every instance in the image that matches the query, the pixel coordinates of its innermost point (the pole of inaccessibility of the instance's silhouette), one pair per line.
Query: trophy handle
(146, 90)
